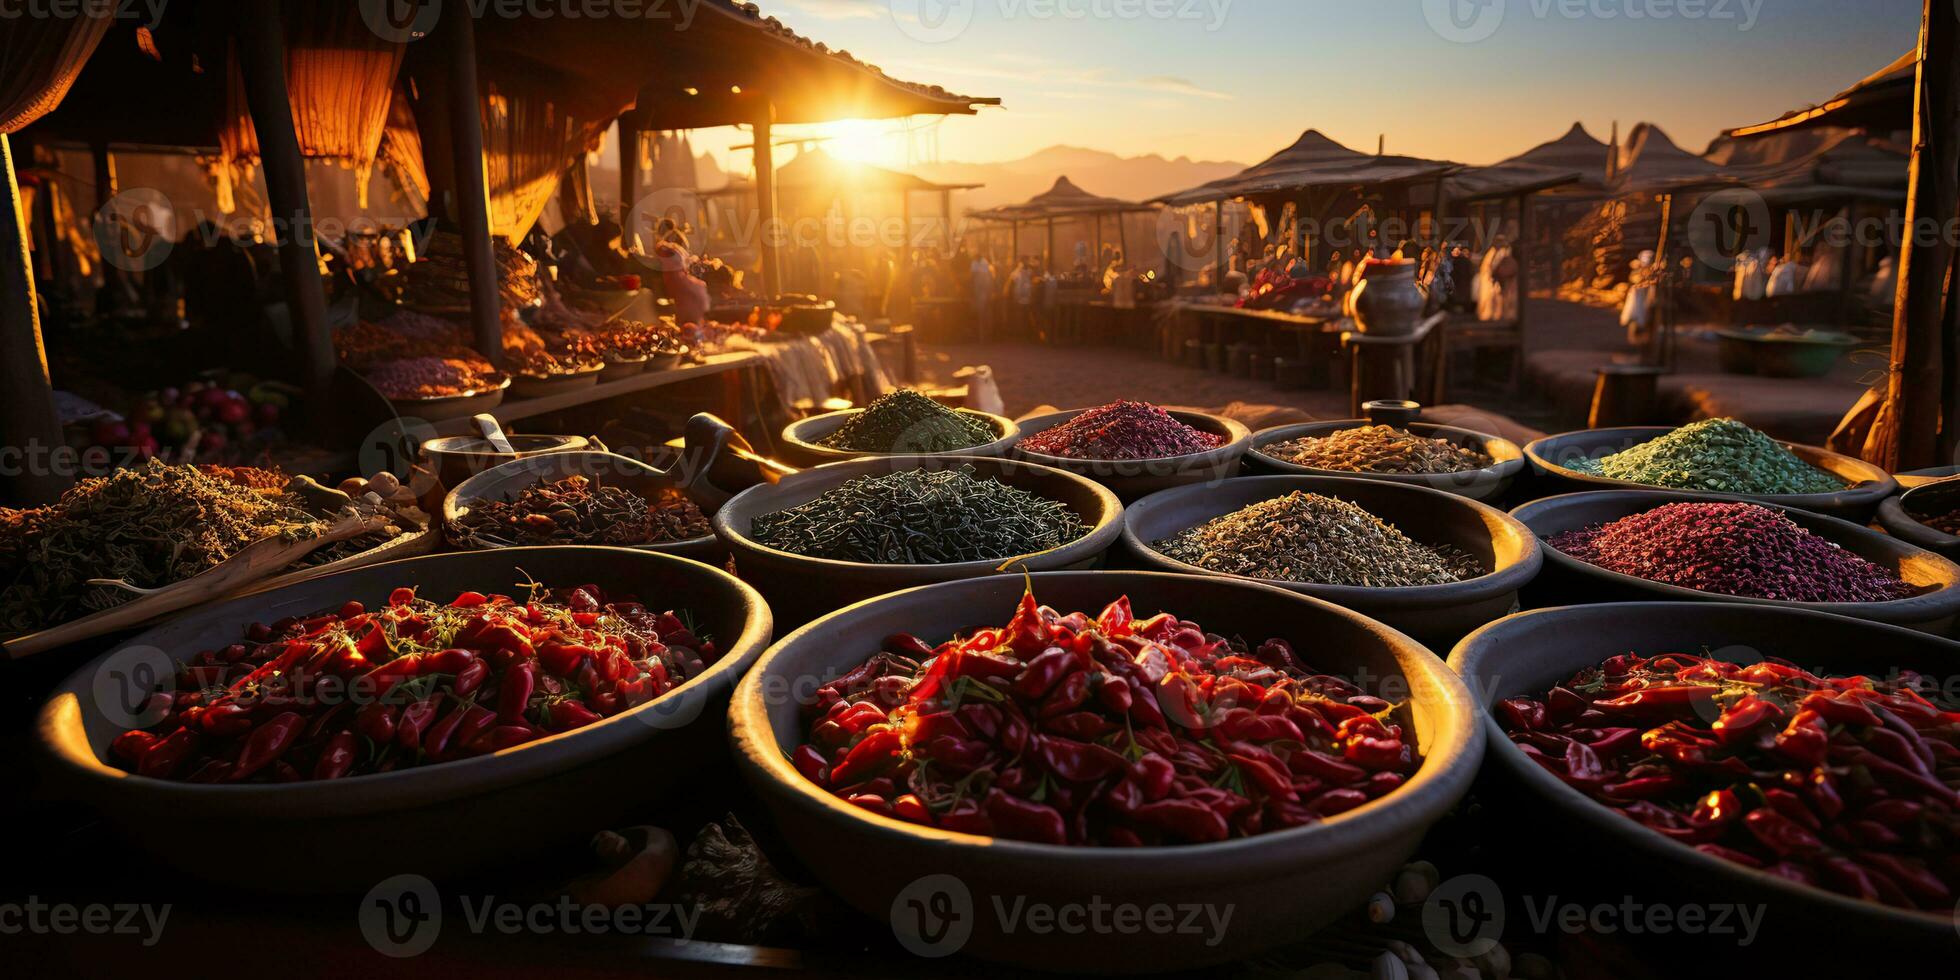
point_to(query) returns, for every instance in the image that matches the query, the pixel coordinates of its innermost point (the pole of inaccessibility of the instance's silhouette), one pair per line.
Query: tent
(1573, 165)
(1313, 161)
(1066, 203)
(1880, 102)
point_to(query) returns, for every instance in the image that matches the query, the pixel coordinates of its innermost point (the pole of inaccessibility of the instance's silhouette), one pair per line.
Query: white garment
(1022, 282)
(1885, 286)
(1785, 279)
(1494, 296)
(1825, 272)
(1751, 279)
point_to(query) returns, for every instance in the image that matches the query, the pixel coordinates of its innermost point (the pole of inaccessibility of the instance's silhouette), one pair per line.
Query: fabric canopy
(1881, 101)
(1572, 165)
(1650, 161)
(1810, 163)
(39, 59)
(1313, 161)
(340, 78)
(1065, 198)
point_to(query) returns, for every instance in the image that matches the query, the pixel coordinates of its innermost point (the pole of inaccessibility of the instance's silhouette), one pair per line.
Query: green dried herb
(1721, 455)
(905, 421)
(1306, 537)
(920, 517)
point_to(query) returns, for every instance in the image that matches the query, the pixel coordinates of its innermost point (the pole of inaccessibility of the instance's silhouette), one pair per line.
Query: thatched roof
(1063, 199)
(1313, 161)
(1572, 165)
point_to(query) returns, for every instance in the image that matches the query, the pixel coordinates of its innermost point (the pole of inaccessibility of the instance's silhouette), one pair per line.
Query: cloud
(1172, 85)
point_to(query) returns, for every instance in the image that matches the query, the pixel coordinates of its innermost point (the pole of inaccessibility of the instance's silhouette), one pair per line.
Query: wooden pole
(629, 173)
(28, 423)
(262, 66)
(1051, 245)
(765, 199)
(946, 219)
(1218, 245)
(473, 190)
(1917, 418)
(1522, 255)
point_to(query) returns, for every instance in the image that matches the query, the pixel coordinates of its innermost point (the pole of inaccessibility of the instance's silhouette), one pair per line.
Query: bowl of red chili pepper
(1490, 555)
(1135, 448)
(1656, 545)
(1798, 762)
(1133, 755)
(433, 715)
(1564, 463)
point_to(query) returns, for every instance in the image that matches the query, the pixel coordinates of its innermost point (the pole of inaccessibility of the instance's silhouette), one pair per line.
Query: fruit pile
(226, 421)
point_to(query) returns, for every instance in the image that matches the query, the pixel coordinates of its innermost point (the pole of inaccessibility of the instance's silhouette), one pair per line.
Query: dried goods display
(579, 510)
(921, 517)
(1846, 783)
(1308, 537)
(1102, 731)
(1379, 449)
(1721, 455)
(1123, 430)
(350, 691)
(905, 421)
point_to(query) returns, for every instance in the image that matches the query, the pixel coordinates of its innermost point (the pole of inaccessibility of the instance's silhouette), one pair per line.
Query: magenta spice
(1732, 549)
(1122, 430)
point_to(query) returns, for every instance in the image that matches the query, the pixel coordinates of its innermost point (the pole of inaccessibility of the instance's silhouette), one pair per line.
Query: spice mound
(1379, 449)
(1109, 731)
(1722, 455)
(918, 517)
(1842, 783)
(576, 510)
(1947, 523)
(1732, 549)
(150, 525)
(905, 421)
(1306, 537)
(1122, 431)
(353, 691)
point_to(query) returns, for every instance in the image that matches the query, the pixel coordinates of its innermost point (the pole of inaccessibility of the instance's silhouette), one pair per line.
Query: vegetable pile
(149, 525)
(1721, 455)
(905, 421)
(1122, 431)
(1732, 549)
(576, 510)
(1108, 731)
(919, 517)
(1844, 783)
(354, 692)
(1378, 449)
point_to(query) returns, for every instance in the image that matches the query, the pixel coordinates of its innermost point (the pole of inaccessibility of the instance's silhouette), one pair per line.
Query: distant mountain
(1096, 171)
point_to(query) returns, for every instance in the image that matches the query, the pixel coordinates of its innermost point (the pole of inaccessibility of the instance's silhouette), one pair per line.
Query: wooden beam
(473, 188)
(629, 171)
(28, 422)
(1218, 246)
(262, 67)
(765, 201)
(1918, 416)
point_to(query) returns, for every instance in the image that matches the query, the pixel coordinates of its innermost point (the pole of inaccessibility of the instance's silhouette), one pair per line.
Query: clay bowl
(1901, 515)
(1433, 613)
(1281, 886)
(438, 820)
(801, 588)
(1485, 484)
(1136, 478)
(1527, 653)
(1567, 580)
(802, 440)
(457, 458)
(507, 480)
(1865, 485)
(1917, 478)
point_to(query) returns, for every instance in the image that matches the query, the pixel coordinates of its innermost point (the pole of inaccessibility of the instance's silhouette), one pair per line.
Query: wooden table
(523, 408)
(1310, 338)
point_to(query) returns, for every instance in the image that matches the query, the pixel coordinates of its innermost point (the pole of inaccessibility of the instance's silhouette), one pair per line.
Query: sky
(1468, 80)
